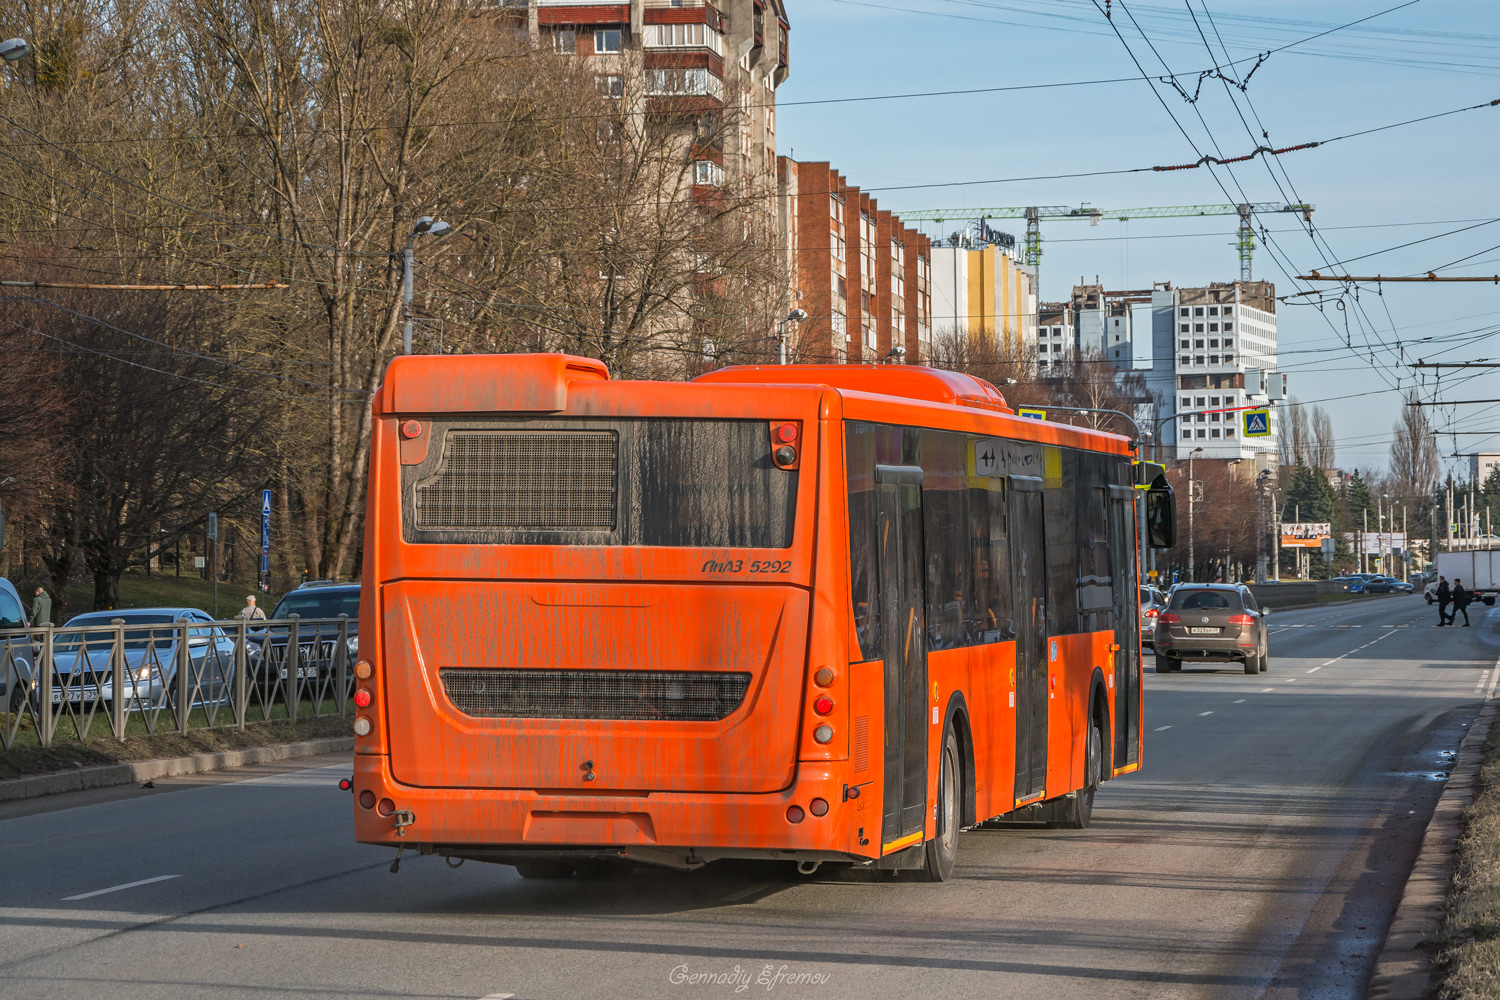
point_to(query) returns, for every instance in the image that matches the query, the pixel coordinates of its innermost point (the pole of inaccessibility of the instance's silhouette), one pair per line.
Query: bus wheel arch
(957, 719)
(1098, 715)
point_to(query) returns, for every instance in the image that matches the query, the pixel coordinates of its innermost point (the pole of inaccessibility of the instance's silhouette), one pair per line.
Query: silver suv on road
(1212, 622)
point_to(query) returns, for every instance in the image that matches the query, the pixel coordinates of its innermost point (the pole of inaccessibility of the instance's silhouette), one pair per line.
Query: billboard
(1305, 534)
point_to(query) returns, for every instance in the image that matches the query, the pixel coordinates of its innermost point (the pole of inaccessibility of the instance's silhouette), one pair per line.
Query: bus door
(1122, 557)
(903, 599)
(1029, 569)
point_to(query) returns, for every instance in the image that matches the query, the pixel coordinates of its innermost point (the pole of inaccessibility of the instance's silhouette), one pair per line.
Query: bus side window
(864, 596)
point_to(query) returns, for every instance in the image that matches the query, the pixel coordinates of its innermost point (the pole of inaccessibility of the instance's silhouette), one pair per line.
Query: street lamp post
(13, 49)
(795, 316)
(431, 227)
(1261, 481)
(1192, 497)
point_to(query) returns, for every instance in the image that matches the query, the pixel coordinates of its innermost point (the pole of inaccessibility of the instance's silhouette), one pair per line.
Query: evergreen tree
(1359, 500)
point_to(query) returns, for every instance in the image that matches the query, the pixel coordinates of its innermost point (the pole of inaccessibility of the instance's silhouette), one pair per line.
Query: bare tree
(1414, 455)
(1321, 453)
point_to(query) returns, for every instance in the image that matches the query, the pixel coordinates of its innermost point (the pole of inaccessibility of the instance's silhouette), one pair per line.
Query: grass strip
(1468, 960)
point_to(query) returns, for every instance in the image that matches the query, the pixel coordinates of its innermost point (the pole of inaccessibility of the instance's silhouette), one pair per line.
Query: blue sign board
(1257, 423)
(265, 531)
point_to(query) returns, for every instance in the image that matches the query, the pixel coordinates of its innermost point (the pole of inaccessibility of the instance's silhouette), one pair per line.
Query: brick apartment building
(714, 54)
(862, 276)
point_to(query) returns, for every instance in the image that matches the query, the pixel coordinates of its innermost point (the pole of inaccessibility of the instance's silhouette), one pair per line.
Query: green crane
(1034, 214)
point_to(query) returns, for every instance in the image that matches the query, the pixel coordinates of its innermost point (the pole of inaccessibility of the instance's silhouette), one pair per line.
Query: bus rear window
(667, 482)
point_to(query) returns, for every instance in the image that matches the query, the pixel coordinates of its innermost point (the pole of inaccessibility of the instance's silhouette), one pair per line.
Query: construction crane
(1034, 214)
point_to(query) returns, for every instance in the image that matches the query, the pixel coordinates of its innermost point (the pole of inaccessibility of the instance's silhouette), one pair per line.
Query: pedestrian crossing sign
(1257, 423)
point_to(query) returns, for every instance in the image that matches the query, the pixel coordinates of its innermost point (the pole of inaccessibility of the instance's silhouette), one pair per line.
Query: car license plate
(303, 673)
(1203, 631)
(73, 694)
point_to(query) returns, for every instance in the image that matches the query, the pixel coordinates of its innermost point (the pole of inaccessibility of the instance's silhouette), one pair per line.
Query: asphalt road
(1260, 852)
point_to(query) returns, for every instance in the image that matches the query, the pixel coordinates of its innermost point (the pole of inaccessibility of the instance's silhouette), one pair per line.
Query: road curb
(1404, 969)
(149, 770)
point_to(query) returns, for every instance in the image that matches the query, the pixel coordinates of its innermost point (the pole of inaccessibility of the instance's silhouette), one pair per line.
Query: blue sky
(1371, 192)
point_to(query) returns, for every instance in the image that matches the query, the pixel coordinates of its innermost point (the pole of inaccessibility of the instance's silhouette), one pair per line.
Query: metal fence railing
(60, 683)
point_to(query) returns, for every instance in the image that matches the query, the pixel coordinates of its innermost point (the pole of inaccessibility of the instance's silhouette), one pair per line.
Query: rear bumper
(1206, 648)
(655, 826)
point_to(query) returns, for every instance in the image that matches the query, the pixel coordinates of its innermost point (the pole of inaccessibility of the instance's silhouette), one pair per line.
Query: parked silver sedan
(1212, 622)
(83, 658)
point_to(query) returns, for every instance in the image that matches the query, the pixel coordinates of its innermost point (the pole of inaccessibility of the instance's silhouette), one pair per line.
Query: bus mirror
(1161, 515)
(1147, 473)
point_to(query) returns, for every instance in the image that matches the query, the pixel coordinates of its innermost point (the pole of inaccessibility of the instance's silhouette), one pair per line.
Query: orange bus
(814, 613)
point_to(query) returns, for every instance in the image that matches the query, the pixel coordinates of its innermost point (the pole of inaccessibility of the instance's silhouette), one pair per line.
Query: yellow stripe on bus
(896, 845)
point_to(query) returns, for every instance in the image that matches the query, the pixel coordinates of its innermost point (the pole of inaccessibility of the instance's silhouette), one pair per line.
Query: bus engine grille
(522, 481)
(669, 695)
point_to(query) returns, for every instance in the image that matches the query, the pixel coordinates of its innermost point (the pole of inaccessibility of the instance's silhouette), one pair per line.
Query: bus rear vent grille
(859, 752)
(522, 481)
(671, 695)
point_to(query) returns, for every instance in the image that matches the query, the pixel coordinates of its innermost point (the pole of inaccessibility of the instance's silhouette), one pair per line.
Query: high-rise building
(1481, 464)
(1211, 339)
(984, 292)
(861, 275)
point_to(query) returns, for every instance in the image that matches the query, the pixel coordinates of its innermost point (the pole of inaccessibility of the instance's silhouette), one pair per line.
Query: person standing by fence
(250, 612)
(41, 608)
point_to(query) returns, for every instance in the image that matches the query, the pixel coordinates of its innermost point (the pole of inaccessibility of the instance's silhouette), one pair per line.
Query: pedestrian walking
(41, 608)
(1444, 598)
(1461, 600)
(250, 612)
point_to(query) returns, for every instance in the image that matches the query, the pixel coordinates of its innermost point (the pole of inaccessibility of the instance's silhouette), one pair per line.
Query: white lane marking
(1162, 729)
(498, 996)
(1494, 681)
(1239, 701)
(117, 888)
(1266, 690)
(1356, 649)
(1201, 714)
(1316, 669)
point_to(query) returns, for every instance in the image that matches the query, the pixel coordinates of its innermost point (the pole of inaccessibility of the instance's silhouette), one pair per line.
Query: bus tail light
(367, 799)
(794, 814)
(786, 433)
(823, 734)
(363, 669)
(362, 698)
(361, 726)
(818, 807)
(386, 807)
(823, 705)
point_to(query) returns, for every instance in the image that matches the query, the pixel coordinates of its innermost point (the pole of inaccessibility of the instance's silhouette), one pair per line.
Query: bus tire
(1075, 811)
(544, 869)
(942, 850)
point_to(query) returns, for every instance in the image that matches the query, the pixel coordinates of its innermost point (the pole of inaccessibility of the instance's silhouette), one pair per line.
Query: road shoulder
(1406, 967)
(129, 772)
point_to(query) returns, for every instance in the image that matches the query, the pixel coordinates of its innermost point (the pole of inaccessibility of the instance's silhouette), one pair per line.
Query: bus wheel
(1077, 809)
(544, 869)
(942, 850)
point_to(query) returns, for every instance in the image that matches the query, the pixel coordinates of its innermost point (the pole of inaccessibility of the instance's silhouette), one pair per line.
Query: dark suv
(1213, 622)
(316, 644)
